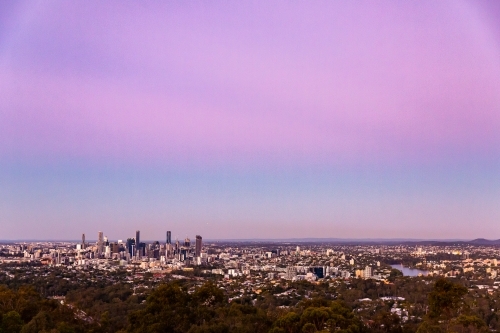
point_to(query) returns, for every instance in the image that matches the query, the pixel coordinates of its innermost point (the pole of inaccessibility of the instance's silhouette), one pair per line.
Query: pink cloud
(329, 84)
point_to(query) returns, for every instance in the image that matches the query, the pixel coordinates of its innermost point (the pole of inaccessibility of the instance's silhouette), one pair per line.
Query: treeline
(182, 306)
(171, 308)
(174, 308)
(24, 310)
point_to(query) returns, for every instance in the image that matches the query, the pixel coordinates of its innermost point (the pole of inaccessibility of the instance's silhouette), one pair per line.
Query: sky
(250, 119)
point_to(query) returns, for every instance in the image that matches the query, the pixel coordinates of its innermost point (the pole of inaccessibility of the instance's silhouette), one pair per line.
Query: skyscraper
(100, 243)
(83, 241)
(137, 237)
(198, 246)
(131, 247)
(168, 247)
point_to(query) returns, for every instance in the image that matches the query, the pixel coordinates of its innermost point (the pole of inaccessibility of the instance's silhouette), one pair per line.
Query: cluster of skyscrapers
(133, 248)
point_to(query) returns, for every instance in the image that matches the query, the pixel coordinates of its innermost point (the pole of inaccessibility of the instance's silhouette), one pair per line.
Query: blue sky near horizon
(285, 204)
(250, 120)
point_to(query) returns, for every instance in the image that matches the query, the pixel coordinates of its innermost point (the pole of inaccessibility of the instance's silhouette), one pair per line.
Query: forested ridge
(203, 307)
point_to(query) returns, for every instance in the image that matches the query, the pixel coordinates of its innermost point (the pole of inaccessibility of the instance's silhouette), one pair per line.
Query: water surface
(409, 271)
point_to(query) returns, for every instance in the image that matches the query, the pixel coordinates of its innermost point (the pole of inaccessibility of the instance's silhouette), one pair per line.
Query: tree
(289, 323)
(317, 317)
(309, 328)
(446, 299)
(387, 322)
(447, 310)
(395, 273)
(472, 323)
(40, 322)
(166, 310)
(11, 322)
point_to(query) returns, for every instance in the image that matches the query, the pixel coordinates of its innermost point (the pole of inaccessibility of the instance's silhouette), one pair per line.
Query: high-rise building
(131, 246)
(169, 237)
(137, 237)
(141, 249)
(197, 252)
(100, 243)
(367, 273)
(169, 252)
(319, 271)
(187, 242)
(83, 241)
(291, 272)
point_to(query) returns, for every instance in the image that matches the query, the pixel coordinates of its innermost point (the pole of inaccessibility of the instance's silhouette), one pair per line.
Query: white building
(367, 273)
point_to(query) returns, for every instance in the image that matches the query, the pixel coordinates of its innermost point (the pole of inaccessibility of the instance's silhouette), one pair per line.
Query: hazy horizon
(261, 240)
(250, 119)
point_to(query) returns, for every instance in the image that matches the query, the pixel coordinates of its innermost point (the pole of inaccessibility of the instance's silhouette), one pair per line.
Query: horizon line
(301, 239)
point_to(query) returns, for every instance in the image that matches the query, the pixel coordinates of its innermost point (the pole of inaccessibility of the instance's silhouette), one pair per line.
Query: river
(409, 271)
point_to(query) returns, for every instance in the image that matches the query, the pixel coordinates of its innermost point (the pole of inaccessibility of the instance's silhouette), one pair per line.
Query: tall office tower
(169, 251)
(187, 242)
(100, 243)
(141, 249)
(131, 246)
(137, 237)
(197, 252)
(107, 251)
(169, 237)
(83, 241)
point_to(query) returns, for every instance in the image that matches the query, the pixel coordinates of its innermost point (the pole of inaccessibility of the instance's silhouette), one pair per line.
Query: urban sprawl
(368, 277)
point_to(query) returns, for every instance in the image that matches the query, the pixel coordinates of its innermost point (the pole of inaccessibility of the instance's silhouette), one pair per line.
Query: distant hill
(482, 241)
(368, 241)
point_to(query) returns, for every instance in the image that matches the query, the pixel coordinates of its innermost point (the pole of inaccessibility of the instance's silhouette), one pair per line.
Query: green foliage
(309, 328)
(108, 305)
(64, 327)
(170, 308)
(288, 323)
(319, 315)
(387, 322)
(38, 323)
(447, 311)
(395, 273)
(11, 322)
(471, 323)
(316, 316)
(166, 311)
(430, 327)
(184, 305)
(24, 310)
(446, 299)
(277, 330)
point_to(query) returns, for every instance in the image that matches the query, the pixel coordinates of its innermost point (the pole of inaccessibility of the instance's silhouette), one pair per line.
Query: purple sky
(250, 119)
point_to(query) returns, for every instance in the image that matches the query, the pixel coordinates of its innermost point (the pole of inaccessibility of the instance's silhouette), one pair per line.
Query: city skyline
(250, 120)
